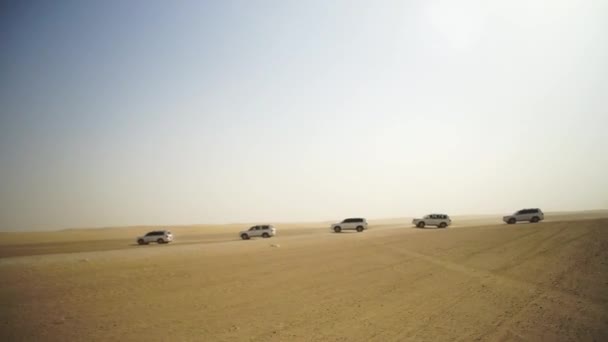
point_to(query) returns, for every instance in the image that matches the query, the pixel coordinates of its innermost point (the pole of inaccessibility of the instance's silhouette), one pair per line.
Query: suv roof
(158, 232)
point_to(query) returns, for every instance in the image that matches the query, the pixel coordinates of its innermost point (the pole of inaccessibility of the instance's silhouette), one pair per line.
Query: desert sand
(477, 280)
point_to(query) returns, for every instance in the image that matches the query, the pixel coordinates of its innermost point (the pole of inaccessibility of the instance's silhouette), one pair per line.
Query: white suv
(159, 236)
(437, 220)
(358, 224)
(264, 231)
(529, 215)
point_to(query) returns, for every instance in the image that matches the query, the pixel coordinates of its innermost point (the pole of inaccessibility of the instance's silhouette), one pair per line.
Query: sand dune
(478, 280)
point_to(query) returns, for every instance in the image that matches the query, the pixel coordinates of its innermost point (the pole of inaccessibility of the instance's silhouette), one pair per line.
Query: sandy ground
(477, 280)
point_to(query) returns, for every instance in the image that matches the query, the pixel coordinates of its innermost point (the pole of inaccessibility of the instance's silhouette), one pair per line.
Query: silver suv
(528, 215)
(437, 220)
(264, 231)
(358, 224)
(158, 236)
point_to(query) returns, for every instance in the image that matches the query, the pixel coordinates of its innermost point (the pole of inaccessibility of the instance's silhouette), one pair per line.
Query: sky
(141, 112)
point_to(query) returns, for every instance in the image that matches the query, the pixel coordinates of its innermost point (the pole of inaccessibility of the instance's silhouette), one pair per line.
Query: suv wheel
(420, 225)
(360, 229)
(535, 219)
(245, 237)
(443, 225)
(159, 241)
(265, 235)
(337, 229)
(141, 242)
(511, 220)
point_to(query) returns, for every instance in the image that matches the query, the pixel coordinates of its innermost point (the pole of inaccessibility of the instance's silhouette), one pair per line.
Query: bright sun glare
(458, 25)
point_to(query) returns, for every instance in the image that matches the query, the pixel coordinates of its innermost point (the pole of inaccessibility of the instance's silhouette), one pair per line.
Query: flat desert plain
(477, 280)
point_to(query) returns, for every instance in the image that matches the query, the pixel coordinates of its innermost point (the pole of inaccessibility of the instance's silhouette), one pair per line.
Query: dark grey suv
(527, 215)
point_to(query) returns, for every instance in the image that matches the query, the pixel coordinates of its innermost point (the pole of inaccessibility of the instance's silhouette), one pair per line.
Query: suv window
(264, 227)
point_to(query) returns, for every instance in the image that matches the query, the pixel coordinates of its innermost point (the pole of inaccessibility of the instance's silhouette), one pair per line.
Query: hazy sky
(176, 112)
